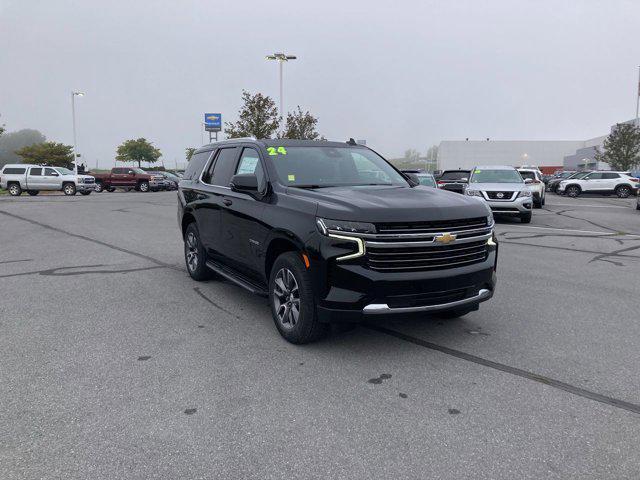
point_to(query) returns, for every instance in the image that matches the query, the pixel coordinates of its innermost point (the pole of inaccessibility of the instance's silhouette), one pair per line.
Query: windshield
(454, 175)
(426, 179)
(139, 170)
(64, 171)
(332, 166)
(566, 174)
(496, 176)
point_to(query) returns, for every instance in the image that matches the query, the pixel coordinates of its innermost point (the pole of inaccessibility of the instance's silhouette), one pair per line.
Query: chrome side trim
(383, 308)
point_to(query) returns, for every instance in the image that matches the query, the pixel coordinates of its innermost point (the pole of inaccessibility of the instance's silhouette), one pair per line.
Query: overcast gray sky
(403, 74)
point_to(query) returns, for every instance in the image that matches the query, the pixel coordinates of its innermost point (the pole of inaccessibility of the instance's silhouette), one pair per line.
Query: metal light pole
(638, 101)
(73, 116)
(281, 58)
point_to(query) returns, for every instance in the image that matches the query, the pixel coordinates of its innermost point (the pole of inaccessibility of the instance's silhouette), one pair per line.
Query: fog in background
(401, 75)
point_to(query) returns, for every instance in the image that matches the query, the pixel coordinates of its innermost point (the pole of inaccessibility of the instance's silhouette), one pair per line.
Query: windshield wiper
(311, 186)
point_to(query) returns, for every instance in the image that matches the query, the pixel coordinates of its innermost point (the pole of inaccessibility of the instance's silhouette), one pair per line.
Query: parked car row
(19, 178)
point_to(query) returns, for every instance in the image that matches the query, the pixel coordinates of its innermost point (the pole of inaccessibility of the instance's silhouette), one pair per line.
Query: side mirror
(528, 181)
(245, 183)
(131, 172)
(413, 179)
(55, 174)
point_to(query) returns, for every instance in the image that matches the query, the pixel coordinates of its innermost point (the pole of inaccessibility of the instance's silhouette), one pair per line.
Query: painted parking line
(583, 205)
(592, 232)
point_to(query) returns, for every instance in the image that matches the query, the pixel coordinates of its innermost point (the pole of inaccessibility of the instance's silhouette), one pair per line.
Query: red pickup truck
(127, 177)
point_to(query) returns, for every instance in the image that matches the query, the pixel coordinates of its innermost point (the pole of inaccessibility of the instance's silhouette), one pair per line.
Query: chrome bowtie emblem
(445, 238)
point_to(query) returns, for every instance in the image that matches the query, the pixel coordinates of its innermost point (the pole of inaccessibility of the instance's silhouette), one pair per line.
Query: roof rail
(242, 138)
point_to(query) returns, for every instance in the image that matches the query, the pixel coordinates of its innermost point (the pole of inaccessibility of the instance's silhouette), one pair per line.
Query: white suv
(536, 185)
(620, 183)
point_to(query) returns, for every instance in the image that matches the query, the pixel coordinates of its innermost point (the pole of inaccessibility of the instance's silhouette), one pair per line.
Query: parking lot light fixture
(73, 116)
(281, 58)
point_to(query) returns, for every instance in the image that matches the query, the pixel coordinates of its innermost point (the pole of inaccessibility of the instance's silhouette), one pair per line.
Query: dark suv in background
(331, 232)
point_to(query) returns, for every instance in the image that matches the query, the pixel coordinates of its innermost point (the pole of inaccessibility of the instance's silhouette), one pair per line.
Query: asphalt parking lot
(115, 364)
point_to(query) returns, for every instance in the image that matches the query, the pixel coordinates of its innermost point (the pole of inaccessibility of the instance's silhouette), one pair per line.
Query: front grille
(420, 258)
(499, 195)
(89, 180)
(431, 227)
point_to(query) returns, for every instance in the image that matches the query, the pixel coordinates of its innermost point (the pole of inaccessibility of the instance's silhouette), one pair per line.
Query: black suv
(331, 232)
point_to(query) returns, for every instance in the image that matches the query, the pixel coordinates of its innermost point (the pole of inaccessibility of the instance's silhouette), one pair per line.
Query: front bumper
(352, 292)
(511, 207)
(85, 187)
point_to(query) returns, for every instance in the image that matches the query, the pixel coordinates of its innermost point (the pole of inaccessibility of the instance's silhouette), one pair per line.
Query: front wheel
(525, 217)
(33, 193)
(195, 256)
(144, 186)
(623, 191)
(291, 300)
(69, 189)
(98, 188)
(572, 191)
(15, 190)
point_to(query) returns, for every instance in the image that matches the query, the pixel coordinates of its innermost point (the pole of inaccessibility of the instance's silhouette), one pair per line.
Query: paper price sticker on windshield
(276, 151)
(476, 171)
(291, 178)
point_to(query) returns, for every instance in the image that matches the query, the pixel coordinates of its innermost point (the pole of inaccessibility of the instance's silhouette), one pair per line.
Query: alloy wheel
(192, 251)
(286, 298)
(623, 192)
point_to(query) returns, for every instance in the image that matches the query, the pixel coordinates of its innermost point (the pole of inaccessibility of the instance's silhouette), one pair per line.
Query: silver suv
(33, 179)
(504, 189)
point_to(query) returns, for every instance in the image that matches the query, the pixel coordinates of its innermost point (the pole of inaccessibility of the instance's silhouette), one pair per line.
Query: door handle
(227, 202)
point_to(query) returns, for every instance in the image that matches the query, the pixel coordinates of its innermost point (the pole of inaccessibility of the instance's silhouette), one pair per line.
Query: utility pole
(73, 117)
(638, 101)
(281, 58)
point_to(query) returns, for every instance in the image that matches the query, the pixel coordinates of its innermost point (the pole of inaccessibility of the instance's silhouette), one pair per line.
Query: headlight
(330, 227)
(473, 193)
(324, 225)
(525, 193)
(490, 218)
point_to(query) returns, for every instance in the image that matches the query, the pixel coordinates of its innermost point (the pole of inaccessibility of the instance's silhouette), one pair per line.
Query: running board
(236, 278)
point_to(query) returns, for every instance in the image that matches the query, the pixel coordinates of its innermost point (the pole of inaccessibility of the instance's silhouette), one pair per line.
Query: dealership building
(549, 155)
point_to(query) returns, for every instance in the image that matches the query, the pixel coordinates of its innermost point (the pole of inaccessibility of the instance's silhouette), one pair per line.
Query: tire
(99, 187)
(525, 217)
(623, 191)
(69, 189)
(572, 191)
(638, 205)
(143, 187)
(110, 189)
(195, 257)
(85, 193)
(544, 199)
(33, 193)
(537, 203)
(291, 290)
(15, 190)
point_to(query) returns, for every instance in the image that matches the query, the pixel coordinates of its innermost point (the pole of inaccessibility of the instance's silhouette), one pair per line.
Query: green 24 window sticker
(277, 150)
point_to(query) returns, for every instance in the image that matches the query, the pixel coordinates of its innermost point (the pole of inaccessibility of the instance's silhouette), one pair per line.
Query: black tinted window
(455, 175)
(14, 171)
(594, 176)
(35, 172)
(223, 167)
(610, 175)
(196, 164)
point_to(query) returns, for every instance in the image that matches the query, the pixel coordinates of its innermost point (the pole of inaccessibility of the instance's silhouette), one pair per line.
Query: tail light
(635, 180)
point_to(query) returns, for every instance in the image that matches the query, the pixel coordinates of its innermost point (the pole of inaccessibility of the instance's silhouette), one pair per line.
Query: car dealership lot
(115, 364)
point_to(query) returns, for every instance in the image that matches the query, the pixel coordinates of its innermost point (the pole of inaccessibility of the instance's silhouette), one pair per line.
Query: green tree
(258, 117)
(621, 147)
(189, 151)
(411, 155)
(140, 150)
(49, 153)
(301, 125)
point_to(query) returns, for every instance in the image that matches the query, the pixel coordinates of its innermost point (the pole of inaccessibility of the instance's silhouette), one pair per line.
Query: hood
(498, 187)
(392, 203)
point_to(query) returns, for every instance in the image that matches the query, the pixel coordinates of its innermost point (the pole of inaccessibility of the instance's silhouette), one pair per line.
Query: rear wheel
(33, 193)
(572, 191)
(69, 189)
(291, 300)
(195, 256)
(525, 217)
(623, 191)
(15, 190)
